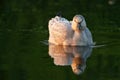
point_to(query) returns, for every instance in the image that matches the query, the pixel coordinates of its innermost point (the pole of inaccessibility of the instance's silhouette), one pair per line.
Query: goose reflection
(74, 56)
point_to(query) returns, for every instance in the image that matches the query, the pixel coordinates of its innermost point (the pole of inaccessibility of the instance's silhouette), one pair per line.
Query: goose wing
(59, 30)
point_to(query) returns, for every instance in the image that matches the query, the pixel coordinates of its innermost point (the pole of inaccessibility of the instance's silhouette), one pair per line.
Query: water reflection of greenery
(23, 24)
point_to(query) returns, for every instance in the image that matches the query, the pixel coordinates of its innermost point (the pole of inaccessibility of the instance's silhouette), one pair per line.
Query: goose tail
(59, 14)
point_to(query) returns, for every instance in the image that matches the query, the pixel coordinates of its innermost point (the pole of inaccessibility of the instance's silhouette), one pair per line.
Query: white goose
(73, 33)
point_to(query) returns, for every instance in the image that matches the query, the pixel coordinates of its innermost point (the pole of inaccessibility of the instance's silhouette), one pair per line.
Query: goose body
(73, 33)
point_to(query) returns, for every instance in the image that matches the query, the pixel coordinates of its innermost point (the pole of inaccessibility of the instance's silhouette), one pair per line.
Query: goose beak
(79, 26)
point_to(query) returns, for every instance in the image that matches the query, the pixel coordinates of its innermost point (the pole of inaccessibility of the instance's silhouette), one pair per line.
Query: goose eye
(79, 22)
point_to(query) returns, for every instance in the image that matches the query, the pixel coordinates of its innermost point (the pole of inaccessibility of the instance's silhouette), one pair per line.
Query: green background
(24, 23)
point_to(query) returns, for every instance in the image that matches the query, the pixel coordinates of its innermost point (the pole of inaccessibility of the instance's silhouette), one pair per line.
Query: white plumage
(74, 33)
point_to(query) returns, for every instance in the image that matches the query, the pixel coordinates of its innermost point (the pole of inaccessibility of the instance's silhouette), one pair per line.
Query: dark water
(23, 25)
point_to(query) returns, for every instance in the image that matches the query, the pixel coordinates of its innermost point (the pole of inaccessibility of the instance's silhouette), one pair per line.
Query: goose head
(78, 65)
(78, 23)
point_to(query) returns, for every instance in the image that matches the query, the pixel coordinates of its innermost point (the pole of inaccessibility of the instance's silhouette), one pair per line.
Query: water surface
(23, 25)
